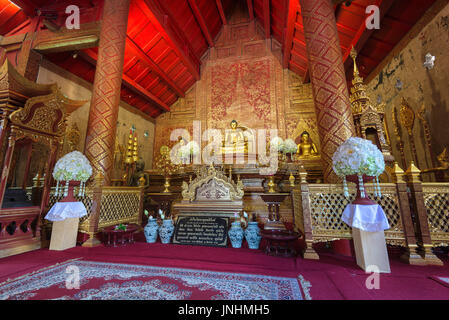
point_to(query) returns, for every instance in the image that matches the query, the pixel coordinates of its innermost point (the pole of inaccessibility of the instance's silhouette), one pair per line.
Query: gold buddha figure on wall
(306, 147)
(234, 141)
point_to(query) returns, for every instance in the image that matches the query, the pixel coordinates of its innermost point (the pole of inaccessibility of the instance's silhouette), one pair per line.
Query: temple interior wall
(242, 78)
(420, 87)
(76, 88)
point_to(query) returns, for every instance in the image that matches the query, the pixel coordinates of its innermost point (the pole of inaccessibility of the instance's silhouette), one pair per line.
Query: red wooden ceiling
(167, 38)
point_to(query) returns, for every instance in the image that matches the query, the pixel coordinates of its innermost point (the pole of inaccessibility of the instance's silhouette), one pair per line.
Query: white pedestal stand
(368, 223)
(65, 217)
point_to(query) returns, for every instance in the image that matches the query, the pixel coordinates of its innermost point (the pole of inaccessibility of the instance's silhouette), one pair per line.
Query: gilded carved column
(105, 101)
(327, 75)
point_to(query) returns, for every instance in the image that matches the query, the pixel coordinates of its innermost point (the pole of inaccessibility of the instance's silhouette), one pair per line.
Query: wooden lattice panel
(327, 204)
(436, 201)
(119, 205)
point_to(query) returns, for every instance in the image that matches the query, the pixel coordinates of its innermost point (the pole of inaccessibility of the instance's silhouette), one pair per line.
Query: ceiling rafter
(91, 56)
(363, 36)
(201, 22)
(142, 56)
(266, 18)
(221, 11)
(293, 9)
(249, 3)
(164, 25)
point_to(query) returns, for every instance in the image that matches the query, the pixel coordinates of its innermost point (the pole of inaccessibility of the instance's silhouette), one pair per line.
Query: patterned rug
(88, 280)
(441, 280)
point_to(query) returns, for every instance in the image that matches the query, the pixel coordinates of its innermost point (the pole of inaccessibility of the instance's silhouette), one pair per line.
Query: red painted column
(104, 106)
(327, 75)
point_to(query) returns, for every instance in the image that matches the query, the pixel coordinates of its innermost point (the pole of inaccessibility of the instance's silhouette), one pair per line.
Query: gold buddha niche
(234, 141)
(306, 148)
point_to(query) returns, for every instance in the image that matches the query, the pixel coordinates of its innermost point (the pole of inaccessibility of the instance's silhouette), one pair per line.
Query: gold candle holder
(292, 180)
(271, 185)
(166, 185)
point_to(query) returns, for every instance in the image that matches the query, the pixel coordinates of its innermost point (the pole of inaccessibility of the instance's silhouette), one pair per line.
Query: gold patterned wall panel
(242, 79)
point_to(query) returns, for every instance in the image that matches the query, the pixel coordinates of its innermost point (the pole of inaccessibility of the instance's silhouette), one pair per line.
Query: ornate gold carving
(366, 116)
(202, 184)
(73, 136)
(407, 119)
(397, 133)
(45, 114)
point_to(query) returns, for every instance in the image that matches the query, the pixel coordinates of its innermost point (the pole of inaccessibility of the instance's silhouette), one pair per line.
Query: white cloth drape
(369, 218)
(63, 210)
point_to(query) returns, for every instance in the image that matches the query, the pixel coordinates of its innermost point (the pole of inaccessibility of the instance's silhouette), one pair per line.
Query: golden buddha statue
(306, 148)
(234, 141)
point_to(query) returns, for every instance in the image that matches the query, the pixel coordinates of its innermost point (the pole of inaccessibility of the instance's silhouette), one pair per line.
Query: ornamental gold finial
(359, 99)
(413, 172)
(353, 55)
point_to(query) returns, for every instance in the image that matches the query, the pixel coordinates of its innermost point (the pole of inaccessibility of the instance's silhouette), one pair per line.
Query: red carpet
(116, 281)
(332, 277)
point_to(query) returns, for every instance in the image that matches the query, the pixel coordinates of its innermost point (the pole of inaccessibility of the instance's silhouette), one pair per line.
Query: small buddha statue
(234, 140)
(306, 148)
(140, 173)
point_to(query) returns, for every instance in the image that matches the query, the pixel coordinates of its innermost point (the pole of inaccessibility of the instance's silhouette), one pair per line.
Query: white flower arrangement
(277, 143)
(74, 166)
(357, 156)
(289, 146)
(189, 149)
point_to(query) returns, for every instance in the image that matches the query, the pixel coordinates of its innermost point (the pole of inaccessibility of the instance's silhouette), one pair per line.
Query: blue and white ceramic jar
(150, 230)
(236, 234)
(166, 231)
(252, 235)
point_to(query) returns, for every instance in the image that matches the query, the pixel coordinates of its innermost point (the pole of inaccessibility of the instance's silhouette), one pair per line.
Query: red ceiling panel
(166, 38)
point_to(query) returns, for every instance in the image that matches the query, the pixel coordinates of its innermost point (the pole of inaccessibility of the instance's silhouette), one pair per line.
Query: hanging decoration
(429, 63)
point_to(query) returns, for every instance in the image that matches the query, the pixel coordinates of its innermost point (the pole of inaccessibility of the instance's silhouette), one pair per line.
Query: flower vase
(70, 197)
(151, 230)
(166, 231)
(289, 157)
(252, 235)
(236, 234)
(358, 198)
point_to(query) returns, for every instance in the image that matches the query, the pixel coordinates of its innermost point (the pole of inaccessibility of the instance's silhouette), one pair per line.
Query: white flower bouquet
(289, 146)
(277, 143)
(357, 156)
(190, 149)
(74, 166)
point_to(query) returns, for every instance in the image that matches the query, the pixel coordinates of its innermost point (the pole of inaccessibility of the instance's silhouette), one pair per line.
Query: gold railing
(318, 209)
(107, 206)
(436, 202)
(327, 204)
(120, 205)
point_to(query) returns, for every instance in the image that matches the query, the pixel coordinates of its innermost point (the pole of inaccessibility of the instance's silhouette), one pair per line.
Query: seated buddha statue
(234, 141)
(306, 148)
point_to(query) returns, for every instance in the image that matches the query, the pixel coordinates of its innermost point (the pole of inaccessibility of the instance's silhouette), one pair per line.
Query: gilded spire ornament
(359, 99)
(369, 120)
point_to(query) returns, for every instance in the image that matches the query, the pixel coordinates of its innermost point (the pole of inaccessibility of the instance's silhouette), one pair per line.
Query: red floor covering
(333, 277)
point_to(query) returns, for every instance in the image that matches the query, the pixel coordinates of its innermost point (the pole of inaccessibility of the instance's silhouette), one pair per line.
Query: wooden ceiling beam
(90, 56)
(249, 3)
(165, 25)
(201, 22)
(293, 9)
(266, 18)
(141, 55)
(363, 34)
(221, 11)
